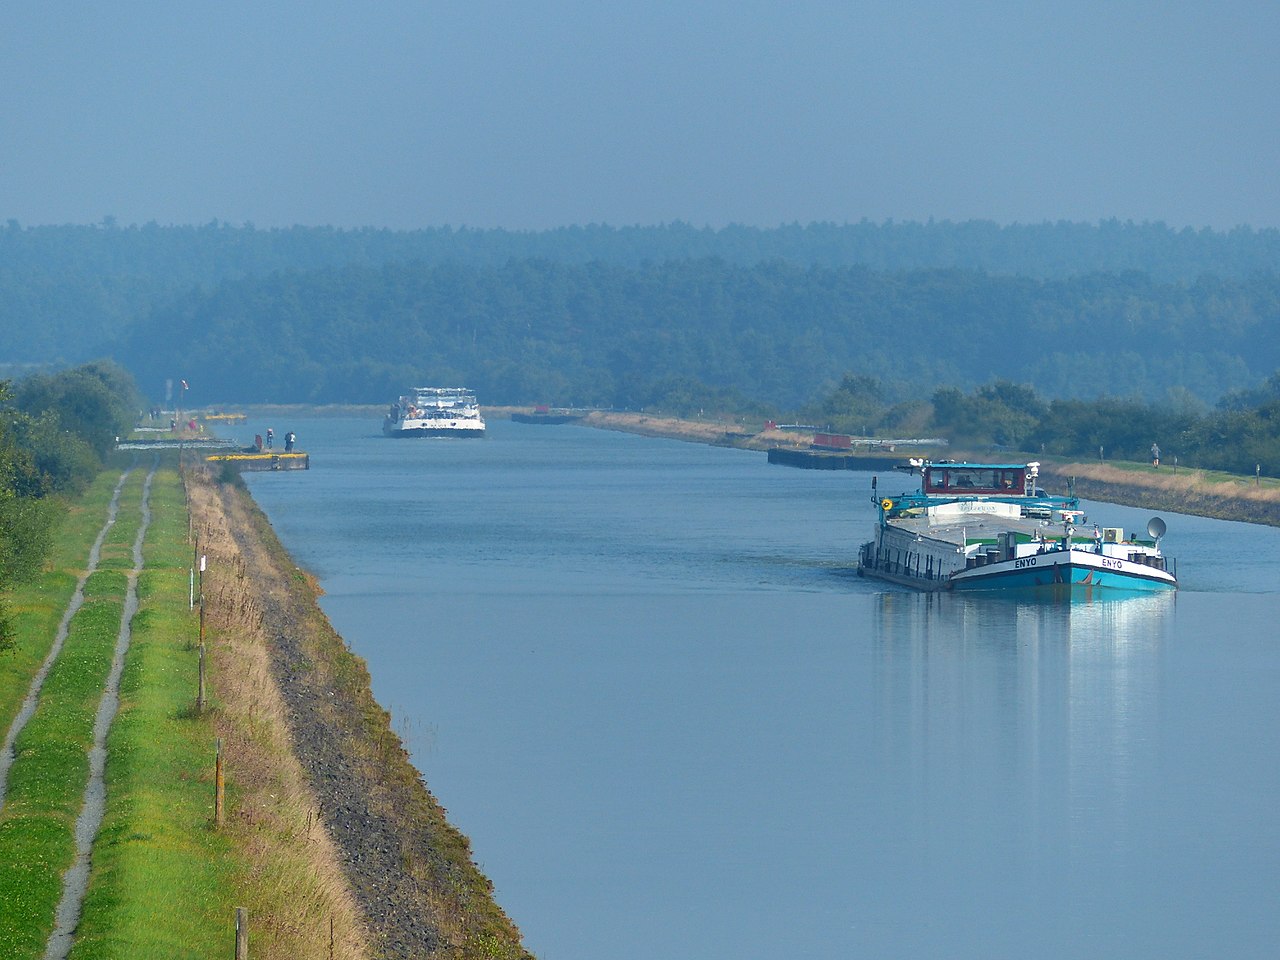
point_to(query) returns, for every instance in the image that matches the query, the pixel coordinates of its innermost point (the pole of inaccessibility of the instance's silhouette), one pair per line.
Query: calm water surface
(642, 678)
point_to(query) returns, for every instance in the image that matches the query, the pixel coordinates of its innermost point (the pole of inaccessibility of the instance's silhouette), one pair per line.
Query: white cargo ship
(435, 412)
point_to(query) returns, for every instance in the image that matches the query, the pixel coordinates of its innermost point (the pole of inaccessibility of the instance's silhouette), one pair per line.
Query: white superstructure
(435, 412)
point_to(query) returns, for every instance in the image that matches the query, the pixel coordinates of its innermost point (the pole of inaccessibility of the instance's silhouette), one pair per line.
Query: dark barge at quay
(547, 416)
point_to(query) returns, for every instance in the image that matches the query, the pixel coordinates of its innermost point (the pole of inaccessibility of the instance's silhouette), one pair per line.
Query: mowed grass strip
(117, 548)
(50, 770)
(38, 606)
(163, 882)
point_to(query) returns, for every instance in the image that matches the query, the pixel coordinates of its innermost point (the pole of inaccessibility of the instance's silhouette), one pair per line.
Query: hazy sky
(531, 115)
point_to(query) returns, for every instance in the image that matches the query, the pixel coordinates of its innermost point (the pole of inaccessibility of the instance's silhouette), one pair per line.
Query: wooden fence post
(200, 689)
(242, 933)
(217, 787)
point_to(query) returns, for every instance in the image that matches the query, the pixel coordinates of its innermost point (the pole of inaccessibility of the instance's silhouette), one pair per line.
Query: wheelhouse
(981, 480)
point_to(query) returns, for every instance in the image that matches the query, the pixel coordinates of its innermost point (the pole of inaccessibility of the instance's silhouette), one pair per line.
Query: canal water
(643, 679)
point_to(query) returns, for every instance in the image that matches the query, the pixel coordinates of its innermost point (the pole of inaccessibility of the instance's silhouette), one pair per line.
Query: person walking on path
(1155, 456)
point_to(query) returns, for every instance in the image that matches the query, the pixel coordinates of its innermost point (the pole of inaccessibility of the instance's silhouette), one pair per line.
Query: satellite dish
(1155, 528)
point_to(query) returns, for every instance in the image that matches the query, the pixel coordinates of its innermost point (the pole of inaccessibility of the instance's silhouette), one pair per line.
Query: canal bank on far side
(1180, 490)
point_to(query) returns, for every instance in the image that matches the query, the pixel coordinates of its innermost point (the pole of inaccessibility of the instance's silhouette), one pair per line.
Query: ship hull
(1056, 569)
(1049, 572)
(410, 430)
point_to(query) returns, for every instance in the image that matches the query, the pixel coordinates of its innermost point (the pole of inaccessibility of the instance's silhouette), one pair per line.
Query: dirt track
(76, 880)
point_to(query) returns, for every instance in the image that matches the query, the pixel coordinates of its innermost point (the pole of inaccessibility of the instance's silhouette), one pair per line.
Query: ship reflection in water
(1021, 739)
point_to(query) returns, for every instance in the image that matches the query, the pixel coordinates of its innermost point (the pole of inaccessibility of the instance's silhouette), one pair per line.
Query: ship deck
(975, 527)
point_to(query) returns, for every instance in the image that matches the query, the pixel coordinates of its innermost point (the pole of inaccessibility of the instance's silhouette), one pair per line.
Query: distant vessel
(545, 415)
(435, 412)
(975, 526)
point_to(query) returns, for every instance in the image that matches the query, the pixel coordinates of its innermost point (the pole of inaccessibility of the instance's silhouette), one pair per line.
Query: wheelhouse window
(965, 480)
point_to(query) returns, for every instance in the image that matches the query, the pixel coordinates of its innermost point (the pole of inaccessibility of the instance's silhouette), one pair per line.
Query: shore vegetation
(166, 870)
(1239, 435)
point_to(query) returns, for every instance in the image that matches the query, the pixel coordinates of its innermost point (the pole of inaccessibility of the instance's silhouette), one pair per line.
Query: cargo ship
(435, 412)
(976, 526)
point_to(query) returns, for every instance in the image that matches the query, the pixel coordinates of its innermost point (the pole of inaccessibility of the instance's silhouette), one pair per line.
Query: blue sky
(532, 115)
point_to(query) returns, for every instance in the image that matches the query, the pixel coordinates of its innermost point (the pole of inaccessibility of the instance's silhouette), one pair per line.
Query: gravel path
(76, 880)
(37, 682)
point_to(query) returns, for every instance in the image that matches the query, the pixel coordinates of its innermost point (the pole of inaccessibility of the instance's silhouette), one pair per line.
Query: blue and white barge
(974, 526)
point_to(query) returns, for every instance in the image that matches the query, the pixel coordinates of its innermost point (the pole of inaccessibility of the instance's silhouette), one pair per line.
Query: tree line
(611, 335)
(672, 316)
(56, 432)
(68, 291)
(208, 253)
(1239, 434)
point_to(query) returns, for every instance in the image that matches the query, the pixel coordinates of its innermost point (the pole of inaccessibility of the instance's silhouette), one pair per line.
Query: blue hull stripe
(1060, 573)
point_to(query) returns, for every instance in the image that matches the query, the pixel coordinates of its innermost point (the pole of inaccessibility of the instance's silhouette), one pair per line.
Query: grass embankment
(411, 869)
(164, 882)
(50, 769)
(1223, 496)
(716, 432)
(1203, 493)
(38, 606)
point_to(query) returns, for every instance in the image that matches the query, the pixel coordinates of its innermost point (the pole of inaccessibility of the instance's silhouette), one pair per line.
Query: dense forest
(1076, 339)
(176, 257)
(672, 315)
(602, 334)
(55, 433)
(599, 314)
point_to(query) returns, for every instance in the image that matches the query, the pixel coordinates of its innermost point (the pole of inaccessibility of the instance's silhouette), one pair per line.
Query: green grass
(162, 881)
(50, 770)
(38, 606)
(35, 850)
(117, 548)
(35, 842)
(1167, 469)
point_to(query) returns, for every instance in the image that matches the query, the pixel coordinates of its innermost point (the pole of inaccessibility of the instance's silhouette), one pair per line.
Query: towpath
(76, 880)
(37, 682)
